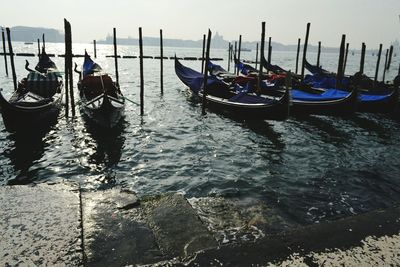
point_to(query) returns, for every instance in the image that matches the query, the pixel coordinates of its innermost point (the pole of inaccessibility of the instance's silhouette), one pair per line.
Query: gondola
(376, 97)
(101, 99)
(233, 99)
(38, 97)
(305, 99)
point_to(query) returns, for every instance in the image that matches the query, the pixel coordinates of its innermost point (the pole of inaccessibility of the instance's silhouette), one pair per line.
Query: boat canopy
(327, 95)
(89, 66)
(194, 80)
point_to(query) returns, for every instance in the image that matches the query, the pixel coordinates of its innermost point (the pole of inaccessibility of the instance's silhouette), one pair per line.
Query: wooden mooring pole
(68, 57)
(362, 58)
(38, 48)
(44, 42)
(345, 58)
(10, 49)
(4, 51)
(377, 65)
(390, 57)
(234, 57)
(141, 72)
(319, 53)
(305, 51)
(339, 75)
(256, 56)
(269, 49)
(297, 55)
(66, 71)
(261, 55)
(386, 62)
(161, 63)
(94, 49)
(115, 56)
(229, 55)
(203, 53)
(206, 73)
(239, 50)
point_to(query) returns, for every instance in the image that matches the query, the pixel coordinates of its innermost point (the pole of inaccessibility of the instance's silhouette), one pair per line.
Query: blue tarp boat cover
(329, 94)
(314, 69)
(245, 69)
(243, 95)
(89, 66)
(194, 80)
(323, 81)
(215, 69)
(373, 98)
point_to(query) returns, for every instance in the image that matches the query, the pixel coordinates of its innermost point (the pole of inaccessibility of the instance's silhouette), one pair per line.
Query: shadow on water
(265, 129)
(371, 123)
(325, 127)
(28, 147)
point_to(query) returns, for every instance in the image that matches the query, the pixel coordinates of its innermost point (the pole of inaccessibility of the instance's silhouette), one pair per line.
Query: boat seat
(92, 85)
(45, 85)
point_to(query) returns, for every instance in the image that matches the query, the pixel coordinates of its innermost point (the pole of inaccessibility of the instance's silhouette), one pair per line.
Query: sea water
(308, 169)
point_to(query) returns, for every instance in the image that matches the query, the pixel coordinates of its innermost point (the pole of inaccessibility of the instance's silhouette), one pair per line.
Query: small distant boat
(37, 99)
(28, 43)
(244, 49)
(101, 98)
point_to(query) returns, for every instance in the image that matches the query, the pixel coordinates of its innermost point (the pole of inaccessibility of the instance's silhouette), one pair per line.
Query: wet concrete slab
(317, 240)
(115, 231)
(120, 229)
(40, 225)
(176, 226)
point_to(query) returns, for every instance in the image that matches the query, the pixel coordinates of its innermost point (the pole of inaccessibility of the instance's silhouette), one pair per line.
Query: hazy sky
(371, 21)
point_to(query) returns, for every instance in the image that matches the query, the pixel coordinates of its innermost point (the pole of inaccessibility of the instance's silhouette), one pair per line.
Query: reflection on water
(25, 151)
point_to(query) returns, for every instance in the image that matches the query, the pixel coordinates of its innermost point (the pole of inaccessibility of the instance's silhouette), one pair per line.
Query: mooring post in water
(206, 73)
(161, 62)
(256, 56)
(66, 71)
(362, 58)
(10, 49)
(297, 55)
(390, 57)
(261, 55)
(44, 42)
(203, 53)
(4, 50)
(229, 56)
(94, 49)
(38, 47)
(319, 53)
(115, 55)
(141, 72)
(71, 76)
(345, 58)
(269, 49)
(377, 65)
(234, 57)
(339, 75)
(239, 50)
(305, 51)
(386, 62)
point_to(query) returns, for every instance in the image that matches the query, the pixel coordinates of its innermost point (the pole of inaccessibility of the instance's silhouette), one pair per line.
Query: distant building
(31, 34)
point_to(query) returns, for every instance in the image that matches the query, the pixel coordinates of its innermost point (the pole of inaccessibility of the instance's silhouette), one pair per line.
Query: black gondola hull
(277, 110)
(106, 115)
(388, 105)
(17, 118)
